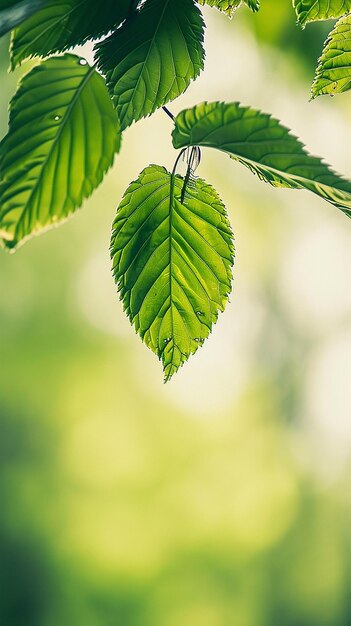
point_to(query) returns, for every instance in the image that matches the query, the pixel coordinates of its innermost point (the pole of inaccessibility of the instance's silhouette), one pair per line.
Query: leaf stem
(181, 153)
(169, 113)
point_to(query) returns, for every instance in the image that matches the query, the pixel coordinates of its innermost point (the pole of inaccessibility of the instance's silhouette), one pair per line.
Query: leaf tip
(10, 245)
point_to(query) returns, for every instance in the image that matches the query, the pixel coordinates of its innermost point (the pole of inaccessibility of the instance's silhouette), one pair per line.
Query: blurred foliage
(275, 24)
(216, 501)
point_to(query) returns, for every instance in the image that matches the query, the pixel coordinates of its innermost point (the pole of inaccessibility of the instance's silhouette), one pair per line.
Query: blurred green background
(222, 498)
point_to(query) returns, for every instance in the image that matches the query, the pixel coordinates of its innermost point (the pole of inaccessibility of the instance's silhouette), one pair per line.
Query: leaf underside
(153, 57)
(62, 24)
(333, 74)
(172, 262)
(262, 144)
(314, 10)
(63, 135)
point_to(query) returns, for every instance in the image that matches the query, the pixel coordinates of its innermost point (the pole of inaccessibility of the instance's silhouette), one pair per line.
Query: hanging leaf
(63, 135)
(314, 10)
(262, 144)
(333, 73)
(172, 262)
(62, 24)
(153, 57)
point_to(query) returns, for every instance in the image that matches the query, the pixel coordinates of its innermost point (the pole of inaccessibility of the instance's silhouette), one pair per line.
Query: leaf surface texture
(313, 10)
(264, 145)
(63, 135)
(172, 262)
(153, 57)
(333, 73)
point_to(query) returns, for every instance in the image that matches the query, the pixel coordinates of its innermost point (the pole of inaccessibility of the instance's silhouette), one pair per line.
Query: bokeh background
(222, 498)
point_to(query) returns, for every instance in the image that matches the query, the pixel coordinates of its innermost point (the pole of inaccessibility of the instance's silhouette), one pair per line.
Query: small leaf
(229, 6)
(333, 74)
(314, 10)
(172, 262)
(153, 57)
(262, 144)
(62, 24)
(63, 135)
(13, 12)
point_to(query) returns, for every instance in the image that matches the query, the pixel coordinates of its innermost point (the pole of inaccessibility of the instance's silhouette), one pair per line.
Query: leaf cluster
(172, 245)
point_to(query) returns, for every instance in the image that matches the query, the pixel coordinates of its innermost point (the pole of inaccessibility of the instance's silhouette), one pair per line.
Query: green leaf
(262, 144)
(63, 135)
(172, 262)
(229, 6)
(62, 24)
(13, 12)
(254, 5)
(314, 10)
(333, 73)
(152, 58)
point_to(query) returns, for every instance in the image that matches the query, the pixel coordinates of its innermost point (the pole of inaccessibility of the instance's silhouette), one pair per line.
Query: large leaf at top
(152, 58)
(13, 12)
(172, 259)
(61, 24)
(229, 6)
(63, 135)
(333, 73)
(262, 144)
(313, 10)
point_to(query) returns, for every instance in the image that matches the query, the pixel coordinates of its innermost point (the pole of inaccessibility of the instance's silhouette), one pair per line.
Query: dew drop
(83, 61)
(57, 118)
(199, 313)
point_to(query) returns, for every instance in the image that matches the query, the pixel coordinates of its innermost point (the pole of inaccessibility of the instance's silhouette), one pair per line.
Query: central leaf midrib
(152, 42)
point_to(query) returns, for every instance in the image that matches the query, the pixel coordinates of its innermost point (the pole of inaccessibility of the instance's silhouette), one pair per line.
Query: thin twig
(169, 113)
